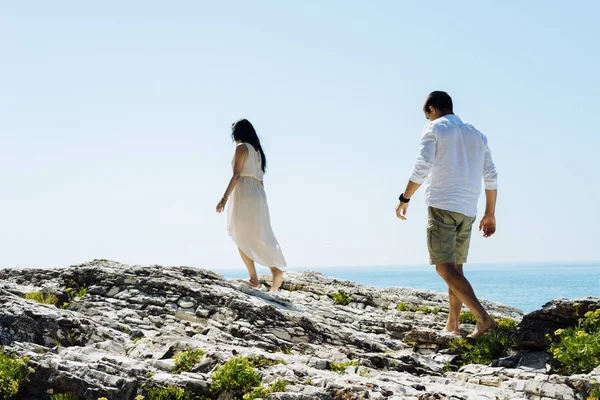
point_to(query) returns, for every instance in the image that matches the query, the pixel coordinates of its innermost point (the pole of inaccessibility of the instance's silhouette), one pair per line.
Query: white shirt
(453, 159)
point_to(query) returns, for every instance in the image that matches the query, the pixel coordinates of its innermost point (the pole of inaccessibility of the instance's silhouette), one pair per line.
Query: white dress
(248, 221)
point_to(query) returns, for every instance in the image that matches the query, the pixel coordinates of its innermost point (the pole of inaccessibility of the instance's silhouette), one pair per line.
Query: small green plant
(149, 374)
(64, 396)
(260, 362)
(260, 392)
(577, 349)
(137, 339)
(185, 360)
(171, 392)
(125, 329)
(447, 368)
(341, 367)
(278, 386)
(484, 350)
(341, 298)
(236, 376)
(14, 372)
(364, 372)
(70, 291)
(285, 349)
(309, 381)
(506, 324)
(402, 306)
(467, 317)
(594, 393)
(39, 297)
(294, 287)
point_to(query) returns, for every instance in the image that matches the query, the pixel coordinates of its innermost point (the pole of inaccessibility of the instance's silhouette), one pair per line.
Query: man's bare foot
(481, 328)
(277, 280)
(254, 284)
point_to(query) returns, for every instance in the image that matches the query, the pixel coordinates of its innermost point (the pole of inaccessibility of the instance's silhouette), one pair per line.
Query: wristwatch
(403, 199)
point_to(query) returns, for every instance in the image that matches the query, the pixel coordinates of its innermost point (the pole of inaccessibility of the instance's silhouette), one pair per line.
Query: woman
(249, 224)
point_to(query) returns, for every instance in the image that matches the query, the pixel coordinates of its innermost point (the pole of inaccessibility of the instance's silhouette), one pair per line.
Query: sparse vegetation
(14, 372)
(285, 349)
(64, 396)
(125, 329)
(236, 376)
(467, 317)
(506, 324)
(171, 392)
(341, 367)
(594, 393)
(42, 298)
(483, 350)
(137, 339)
(260, 393)
(427, 310)
(577, 349)
(341, 298)
(260, 362)
(447, 368)
(185, 360)
(71, 294)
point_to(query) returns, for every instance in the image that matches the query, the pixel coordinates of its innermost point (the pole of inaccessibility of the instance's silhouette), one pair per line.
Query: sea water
(526, 286)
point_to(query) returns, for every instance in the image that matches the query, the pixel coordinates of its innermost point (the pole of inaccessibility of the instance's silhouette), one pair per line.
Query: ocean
(526, 286)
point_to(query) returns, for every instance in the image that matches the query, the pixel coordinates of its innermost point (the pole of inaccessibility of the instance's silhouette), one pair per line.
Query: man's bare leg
(463, 290)
(253, 282)
(277, 278)
(452, 326)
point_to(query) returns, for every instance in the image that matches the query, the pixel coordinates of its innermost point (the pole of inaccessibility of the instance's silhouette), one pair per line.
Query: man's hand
(488, 225)
(401, 210)
(221, 206)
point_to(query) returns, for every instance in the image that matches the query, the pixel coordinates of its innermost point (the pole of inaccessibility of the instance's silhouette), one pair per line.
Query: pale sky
(115, 125)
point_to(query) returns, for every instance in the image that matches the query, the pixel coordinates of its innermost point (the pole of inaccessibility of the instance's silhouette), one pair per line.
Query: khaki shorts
(448, 236)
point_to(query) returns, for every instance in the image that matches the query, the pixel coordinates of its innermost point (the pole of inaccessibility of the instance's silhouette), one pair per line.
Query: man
(454, 157)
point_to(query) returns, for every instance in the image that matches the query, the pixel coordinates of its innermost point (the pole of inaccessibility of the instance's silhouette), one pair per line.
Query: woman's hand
(221, 205)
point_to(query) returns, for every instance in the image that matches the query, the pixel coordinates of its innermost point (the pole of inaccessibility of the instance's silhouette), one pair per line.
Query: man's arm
(421, 170)
(488, 222)
(490, 178)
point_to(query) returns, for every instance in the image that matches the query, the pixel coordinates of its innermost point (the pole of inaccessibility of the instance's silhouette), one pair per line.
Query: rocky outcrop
(129, 322)
(557, 314)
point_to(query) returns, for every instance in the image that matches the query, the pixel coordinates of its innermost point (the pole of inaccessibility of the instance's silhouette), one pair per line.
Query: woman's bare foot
(481, 328)
(277, 279)
(254, 284)
(447, 331)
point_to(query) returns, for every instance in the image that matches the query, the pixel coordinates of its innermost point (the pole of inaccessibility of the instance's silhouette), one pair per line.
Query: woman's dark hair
(440, 100)
(243, 131)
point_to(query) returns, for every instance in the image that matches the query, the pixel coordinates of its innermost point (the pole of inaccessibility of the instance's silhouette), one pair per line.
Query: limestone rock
(133, 320)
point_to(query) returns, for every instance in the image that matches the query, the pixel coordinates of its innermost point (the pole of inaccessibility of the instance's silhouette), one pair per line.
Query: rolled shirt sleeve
(490, 176)
(426, 155)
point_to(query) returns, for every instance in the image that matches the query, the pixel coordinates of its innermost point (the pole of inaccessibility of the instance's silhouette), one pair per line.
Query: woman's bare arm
(241, 154)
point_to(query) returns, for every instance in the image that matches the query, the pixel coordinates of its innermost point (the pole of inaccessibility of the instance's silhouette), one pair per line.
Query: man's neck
(444, 113)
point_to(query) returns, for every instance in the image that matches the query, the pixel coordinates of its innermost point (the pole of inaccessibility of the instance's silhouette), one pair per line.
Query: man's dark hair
(440, 100)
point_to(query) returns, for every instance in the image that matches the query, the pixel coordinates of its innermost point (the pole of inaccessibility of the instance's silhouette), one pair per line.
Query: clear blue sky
(115, 121)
